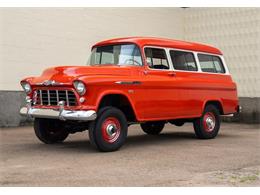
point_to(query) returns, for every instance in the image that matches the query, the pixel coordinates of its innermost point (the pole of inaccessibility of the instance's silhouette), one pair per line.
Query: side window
(210, 63)
(183, 60)
(156, 58)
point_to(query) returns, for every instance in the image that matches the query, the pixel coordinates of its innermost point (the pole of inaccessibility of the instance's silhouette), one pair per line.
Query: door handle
(173, 74)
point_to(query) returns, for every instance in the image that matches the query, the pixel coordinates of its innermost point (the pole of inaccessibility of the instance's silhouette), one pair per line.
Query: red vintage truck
(150, 81)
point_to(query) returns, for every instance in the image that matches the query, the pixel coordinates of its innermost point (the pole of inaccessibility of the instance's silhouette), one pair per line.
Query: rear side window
(210, 63)
(183, 60)
(156, 58)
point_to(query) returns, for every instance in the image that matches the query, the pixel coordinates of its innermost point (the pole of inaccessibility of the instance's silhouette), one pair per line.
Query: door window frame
(167, 58)
(195, 54)
(212, 55)
(194, 57)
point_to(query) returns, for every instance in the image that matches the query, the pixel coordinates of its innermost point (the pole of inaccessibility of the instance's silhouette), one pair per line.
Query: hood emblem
(51, 82)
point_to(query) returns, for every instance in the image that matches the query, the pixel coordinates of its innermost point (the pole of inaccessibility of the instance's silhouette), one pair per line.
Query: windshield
(123, 54)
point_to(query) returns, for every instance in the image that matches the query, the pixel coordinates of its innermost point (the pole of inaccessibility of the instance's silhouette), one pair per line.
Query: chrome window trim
(225, 65)
(222, 60)
(196, 63)
(195, 53)
(122, 43)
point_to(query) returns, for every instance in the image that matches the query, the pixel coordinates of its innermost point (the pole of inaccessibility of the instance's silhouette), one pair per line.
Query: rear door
(186, 69)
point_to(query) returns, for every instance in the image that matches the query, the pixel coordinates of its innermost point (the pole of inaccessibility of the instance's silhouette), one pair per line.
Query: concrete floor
(174, 158)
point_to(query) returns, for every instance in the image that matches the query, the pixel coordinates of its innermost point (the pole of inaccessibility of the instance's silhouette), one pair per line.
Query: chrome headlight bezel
(26, 87)
(80, 87)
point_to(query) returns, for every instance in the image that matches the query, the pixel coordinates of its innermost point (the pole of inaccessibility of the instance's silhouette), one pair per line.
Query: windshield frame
(112, 44)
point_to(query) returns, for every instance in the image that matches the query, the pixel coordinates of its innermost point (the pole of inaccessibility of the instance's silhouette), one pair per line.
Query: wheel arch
(119, 100)
(216, 102)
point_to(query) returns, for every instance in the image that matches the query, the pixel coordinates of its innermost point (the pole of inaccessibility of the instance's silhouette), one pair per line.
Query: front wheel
(207, 126)
(109, 131)
(50, 131)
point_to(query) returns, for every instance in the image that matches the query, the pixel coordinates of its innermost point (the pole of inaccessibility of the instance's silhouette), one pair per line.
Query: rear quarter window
(211, 63)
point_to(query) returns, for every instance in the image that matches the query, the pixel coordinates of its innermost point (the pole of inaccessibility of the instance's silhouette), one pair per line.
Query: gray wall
(236, 31)
(11, 101)
(33, 39)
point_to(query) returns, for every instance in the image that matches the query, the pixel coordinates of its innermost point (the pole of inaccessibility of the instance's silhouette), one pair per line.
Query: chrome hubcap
(210, 123)
(111, 130)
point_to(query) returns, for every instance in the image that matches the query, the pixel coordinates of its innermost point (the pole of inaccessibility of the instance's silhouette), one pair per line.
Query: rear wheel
(109, 131)
(152, 128)
(207, 126)
(50, 131)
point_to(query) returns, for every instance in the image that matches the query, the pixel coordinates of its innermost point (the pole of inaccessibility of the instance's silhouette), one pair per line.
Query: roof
(153, 41)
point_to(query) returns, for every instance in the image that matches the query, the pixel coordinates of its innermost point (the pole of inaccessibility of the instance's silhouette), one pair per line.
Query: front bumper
(61, 114)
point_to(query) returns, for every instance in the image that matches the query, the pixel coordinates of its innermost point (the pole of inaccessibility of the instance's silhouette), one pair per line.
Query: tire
(207, 126)
(152, 128)
(109, 131)
(91, 126)
(50, 131)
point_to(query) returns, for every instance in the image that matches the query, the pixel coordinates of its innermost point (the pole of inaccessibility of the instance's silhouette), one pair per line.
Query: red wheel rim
(111, 129)
(209, 122)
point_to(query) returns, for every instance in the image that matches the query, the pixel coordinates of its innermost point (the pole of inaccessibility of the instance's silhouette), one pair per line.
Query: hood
(66, 74)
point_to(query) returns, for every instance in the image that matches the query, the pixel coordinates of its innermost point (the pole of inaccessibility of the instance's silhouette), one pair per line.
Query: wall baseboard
(250, 111)
(12, 101)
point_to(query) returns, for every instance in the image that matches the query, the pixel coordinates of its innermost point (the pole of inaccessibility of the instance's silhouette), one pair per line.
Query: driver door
(159, 96)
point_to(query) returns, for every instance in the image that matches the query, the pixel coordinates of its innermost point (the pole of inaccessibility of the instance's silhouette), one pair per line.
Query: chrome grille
(52, 97)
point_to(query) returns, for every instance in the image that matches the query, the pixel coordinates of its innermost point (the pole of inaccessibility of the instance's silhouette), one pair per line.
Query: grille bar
(52, 97)
(40, 96)
(49, 102)
(57, 94)
(67, 98)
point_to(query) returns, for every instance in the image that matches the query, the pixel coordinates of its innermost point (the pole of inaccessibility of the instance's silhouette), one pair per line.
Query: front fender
(115, 92)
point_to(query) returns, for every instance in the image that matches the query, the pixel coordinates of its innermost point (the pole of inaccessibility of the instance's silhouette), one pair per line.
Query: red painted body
(162, 95)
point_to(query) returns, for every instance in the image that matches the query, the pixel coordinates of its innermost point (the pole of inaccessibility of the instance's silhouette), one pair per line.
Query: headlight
(80, 87)
(26, 87)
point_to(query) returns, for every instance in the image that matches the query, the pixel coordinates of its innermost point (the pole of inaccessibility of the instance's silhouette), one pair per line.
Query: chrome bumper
(61, 114)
